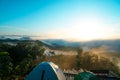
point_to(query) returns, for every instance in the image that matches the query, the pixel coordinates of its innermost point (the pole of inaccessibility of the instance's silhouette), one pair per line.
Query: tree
(6, 65)
(25, 66)
(23, 49)
(79, 58)
(86, 60)
(5, 47)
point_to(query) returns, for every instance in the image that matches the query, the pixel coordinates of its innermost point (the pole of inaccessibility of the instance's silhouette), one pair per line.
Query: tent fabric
(85, 76)
(46, 71)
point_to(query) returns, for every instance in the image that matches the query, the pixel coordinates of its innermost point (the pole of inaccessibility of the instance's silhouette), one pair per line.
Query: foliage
(79, 58)
(6, 65)
(90, 61)
(23, 49)
(5, 47)
(19, 59)
(64, 61)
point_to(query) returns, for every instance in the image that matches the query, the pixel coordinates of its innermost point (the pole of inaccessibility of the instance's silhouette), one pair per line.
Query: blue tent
(46, 71)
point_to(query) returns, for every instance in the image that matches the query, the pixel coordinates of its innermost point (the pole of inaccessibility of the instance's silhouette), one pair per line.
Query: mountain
(110, 45)
(15, 37)
(61, 43)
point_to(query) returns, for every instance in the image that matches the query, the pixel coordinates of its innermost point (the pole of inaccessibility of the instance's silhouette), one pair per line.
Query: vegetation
(17, 60)
(6, 65)
(86, 61)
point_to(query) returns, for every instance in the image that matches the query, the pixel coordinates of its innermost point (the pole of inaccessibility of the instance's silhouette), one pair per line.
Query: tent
(86, 76)
(46, 71)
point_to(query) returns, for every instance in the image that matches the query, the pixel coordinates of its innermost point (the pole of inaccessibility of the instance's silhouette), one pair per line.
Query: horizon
(14, 37)
(76, 20)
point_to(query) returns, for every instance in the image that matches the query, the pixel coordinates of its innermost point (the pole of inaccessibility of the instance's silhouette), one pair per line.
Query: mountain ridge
(110, 45)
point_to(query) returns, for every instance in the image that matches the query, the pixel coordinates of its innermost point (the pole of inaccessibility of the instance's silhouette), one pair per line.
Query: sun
(87, 28)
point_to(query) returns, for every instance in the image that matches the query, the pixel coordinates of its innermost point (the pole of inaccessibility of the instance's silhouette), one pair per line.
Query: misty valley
(19, 57)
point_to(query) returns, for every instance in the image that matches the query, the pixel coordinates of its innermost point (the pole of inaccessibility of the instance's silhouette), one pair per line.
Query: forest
(17, 60)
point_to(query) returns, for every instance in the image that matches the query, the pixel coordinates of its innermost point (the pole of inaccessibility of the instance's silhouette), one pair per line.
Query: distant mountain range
(17, 37)
(110, 45)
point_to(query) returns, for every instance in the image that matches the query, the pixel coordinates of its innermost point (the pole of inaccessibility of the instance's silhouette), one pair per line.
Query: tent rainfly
(86, 76)
(46, 71)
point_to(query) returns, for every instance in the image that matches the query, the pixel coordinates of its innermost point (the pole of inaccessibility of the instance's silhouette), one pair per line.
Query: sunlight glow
(87, 27)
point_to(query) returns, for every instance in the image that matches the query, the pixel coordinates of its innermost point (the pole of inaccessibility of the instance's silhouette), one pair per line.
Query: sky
(61, 19)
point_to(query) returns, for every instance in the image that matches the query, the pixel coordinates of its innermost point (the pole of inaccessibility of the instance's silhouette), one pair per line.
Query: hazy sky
(61, 19)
